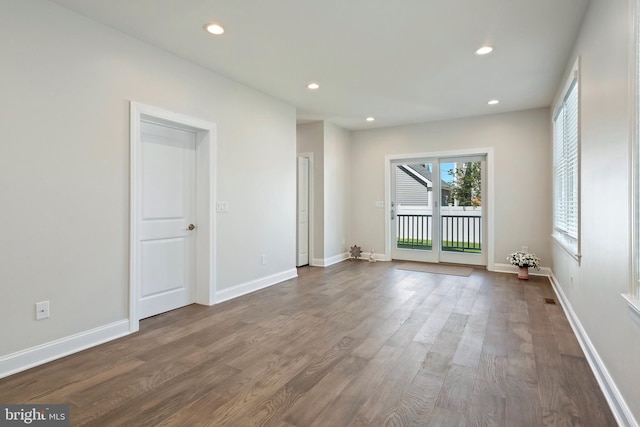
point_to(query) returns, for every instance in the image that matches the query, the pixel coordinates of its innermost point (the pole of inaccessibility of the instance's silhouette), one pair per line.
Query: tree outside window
(466, 188)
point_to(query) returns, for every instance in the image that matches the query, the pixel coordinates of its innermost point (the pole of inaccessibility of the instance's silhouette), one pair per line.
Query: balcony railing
(460, 233)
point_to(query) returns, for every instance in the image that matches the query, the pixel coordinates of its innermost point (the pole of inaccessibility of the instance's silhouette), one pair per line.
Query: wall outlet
(263, 259)
(379, 204)
(42, 310)
(525, 249)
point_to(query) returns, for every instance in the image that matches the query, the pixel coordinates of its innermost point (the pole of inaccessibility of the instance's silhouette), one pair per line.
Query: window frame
(570, 244)
(633, 297)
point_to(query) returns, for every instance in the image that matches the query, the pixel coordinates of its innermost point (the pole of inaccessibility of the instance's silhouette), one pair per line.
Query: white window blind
(565, 164)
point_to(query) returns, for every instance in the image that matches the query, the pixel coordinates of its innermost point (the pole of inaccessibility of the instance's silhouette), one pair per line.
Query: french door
(437, 210)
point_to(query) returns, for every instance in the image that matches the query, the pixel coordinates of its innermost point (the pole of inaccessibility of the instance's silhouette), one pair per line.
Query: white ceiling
(401, 61)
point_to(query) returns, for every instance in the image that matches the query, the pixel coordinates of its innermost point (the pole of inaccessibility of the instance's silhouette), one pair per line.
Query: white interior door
(303, 212)
(166, 225)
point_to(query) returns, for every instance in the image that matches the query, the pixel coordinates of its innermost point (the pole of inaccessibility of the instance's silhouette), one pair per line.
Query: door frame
(490, 231)
(311, 197)
(205, 194)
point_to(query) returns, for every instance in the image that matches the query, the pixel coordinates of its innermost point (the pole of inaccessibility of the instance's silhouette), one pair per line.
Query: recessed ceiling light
(493, 102)
(370, 119)
(313, 86)
(484, 50)
(214, 28)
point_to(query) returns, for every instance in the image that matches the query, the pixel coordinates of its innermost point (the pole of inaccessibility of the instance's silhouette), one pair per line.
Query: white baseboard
(254, 285)
(326, 262)
(508, 268)
(34, 356)
(618, 406)
(378, 257)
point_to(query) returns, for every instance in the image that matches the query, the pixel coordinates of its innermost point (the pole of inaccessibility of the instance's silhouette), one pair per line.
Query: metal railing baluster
(461, 233)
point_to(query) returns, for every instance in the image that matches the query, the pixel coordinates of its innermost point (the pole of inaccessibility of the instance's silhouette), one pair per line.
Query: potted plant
(523, 261)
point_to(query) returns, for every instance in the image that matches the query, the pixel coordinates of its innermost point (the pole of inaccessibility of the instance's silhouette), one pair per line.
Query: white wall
(331, 148)
(337, 190)
(310, 139)
(604, 272)
(522, 149)
(66, 84)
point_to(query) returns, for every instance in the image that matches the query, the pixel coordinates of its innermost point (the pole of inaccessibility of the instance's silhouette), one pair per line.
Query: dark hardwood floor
(356, 344)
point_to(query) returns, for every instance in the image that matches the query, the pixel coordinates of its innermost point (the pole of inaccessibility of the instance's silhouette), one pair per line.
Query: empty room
(320, 213)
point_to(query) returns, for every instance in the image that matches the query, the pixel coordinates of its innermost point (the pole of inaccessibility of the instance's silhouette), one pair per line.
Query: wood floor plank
(102, 398)
(178, 392)
(325, 391)
(283, 399)
(457, 388)
(520, 339)
(342, 410)
(491, 375)
(472, 340)
(376, 409)
(518, 312)
(486, 409)
(356, 343)
(417, 400)
(592, 410)
(47, 379)
(241, 404)
(495, 341)
(61, 394)
(523, 409)
(443, 417)
(372, 344)
(466, 301)
(435, 323)
(456, 323)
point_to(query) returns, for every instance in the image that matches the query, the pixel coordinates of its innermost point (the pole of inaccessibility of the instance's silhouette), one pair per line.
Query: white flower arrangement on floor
(523, 259)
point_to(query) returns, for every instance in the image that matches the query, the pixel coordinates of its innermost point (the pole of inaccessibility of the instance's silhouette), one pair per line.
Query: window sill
(634, 307)
(570, 249)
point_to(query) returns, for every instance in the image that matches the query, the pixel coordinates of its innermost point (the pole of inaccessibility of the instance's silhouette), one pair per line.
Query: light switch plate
(222, 207)
(379, 204)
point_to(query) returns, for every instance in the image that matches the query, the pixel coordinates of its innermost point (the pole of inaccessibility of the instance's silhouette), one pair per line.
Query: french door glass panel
(413, 202)
(461, 210)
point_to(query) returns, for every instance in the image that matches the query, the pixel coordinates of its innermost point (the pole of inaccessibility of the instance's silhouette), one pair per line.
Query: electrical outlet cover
(42, 310)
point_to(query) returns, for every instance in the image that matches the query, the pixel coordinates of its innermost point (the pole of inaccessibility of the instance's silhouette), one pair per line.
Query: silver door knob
(191, 227)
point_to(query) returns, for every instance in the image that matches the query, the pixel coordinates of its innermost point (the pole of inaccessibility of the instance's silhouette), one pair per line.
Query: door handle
(393, 215)
(191, 227)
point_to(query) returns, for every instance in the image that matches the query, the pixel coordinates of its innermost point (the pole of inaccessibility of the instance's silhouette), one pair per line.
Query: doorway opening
(172, 220)
(439, 208)
(305, 206)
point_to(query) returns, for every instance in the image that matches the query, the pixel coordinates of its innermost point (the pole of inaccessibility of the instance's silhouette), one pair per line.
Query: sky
(444, 172)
